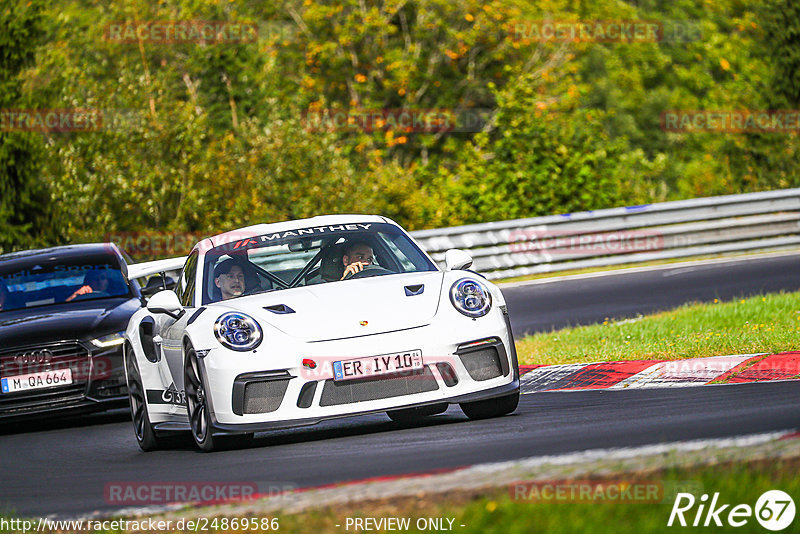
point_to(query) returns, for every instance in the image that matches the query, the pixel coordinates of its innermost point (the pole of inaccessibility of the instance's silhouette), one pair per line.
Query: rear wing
(140, 270)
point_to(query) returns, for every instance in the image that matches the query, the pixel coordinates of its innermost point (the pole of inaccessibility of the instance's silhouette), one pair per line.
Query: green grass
(738, 484)
(767, 323)
(496, 511)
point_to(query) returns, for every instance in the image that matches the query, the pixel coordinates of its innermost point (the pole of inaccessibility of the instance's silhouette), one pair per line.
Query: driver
(357, 255)
(95, 280)
(3, 294)
(229, 278)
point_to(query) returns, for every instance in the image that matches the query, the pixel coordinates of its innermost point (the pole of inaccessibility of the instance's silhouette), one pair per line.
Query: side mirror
(166, 302)
(456, 259)
(158, 283)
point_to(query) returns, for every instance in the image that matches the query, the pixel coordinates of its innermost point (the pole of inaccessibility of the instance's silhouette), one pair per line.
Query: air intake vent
(280, 309)
(448, 374)
(264, 397)
(482, 364)
(416, 289)
(306, 396)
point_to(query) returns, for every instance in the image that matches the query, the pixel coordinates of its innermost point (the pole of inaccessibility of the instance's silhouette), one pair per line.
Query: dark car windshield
(43, 281)
(308, 256)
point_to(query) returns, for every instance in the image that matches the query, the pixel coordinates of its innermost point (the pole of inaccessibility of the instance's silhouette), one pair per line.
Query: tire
(146, 435)
(410, 415)
(197, 403)
(488, 408)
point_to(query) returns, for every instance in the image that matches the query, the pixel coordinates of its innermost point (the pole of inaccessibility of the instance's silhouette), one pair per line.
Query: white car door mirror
(165, 302)
(456, 259)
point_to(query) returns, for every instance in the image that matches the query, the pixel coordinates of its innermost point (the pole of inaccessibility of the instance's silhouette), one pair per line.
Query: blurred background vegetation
(214, 134)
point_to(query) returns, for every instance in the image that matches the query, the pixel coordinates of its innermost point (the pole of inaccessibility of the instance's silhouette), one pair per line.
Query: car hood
(350, 308)
(75, 320)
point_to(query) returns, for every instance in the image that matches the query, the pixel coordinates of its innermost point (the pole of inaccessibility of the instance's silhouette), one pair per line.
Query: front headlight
(471, 298)
(237, 331)
(111, 340)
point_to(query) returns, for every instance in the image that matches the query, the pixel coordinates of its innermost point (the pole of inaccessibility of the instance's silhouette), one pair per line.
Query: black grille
(110, 388)
(62, 356)
(265, 396)
(335, 393)
(482, 364)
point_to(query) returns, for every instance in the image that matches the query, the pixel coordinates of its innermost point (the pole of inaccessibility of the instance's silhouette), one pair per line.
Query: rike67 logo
(774, 510)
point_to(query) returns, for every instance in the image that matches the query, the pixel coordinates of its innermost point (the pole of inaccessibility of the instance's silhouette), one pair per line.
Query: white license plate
(385, 364)
(45, 379)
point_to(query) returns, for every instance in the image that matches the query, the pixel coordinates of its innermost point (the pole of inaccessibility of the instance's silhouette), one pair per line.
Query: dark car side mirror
(158, 283)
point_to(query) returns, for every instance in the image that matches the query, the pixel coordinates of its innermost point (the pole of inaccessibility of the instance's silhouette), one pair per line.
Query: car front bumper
(457, 368)
(98, 381)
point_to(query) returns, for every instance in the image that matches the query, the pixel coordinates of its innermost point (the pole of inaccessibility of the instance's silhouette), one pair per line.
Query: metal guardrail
(680, 229)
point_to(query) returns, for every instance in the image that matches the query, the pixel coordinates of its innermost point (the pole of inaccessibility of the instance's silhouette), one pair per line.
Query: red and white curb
(661, 373)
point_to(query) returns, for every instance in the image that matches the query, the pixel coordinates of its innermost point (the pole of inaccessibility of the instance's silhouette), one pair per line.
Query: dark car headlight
(471, 298)
(111, 340)
(238, 331)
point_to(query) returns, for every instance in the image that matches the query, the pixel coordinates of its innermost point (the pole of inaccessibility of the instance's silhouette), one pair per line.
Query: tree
(781, 23)
(24, 204)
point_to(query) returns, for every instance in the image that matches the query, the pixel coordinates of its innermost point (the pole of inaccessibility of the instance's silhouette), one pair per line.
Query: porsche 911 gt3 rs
(289, 324)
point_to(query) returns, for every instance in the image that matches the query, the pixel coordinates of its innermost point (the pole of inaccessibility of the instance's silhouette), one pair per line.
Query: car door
(172, 330)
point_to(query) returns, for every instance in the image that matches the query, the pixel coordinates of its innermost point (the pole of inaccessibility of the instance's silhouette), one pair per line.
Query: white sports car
(289, 324)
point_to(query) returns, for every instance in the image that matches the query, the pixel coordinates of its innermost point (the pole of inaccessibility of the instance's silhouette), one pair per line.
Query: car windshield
(43, 281)
(309, 256)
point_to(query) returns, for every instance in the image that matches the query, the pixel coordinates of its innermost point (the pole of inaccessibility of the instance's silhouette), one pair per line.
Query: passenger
(357, 255)
(95, 280)
(229, 278)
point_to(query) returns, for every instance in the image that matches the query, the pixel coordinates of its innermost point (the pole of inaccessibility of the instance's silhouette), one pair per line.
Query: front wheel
(146, 435)
(199, 414)
(197, 402)
(488, 408)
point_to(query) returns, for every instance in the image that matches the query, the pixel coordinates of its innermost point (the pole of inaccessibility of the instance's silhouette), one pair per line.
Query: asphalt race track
(545, 306)
(63, 467)
(65, 471)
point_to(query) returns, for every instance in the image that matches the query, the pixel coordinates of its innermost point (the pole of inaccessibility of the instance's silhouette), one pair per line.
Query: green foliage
(781, 23)
(207, 136)
(23, 198)
(559, 159)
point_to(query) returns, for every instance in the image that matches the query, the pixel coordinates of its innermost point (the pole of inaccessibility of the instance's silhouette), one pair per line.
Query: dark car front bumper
(98, 379)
